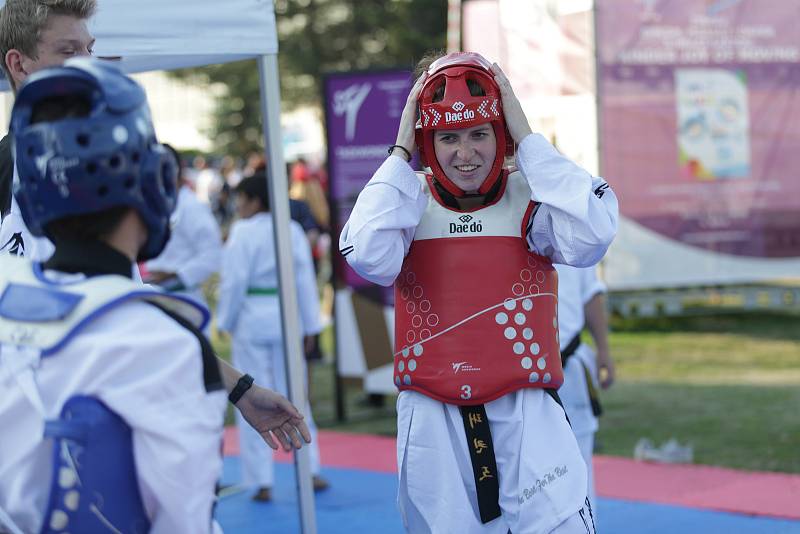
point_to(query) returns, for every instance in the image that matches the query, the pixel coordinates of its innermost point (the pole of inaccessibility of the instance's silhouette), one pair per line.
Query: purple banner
(362, 114)
(700, 120)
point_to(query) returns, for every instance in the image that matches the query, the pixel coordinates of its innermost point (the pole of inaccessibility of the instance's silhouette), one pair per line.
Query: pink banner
(700, 120)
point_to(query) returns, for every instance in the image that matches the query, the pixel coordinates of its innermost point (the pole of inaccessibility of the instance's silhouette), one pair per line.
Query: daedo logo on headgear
(468, 226)
(457, 115)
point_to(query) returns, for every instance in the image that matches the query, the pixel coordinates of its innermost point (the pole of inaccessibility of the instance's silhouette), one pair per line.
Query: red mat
(339, 449)
(699, 486)
(696, 486)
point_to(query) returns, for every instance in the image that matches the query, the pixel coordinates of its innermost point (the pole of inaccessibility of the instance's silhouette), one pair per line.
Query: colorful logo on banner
(713, 123)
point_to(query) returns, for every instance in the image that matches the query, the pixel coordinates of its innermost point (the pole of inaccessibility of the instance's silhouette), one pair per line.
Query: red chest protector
(475, 311)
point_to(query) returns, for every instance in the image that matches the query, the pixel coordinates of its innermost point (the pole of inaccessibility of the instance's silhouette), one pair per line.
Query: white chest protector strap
(44, 315)
(38, 317)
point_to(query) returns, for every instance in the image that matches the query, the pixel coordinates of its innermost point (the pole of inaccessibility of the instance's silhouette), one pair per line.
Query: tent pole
(279, 200)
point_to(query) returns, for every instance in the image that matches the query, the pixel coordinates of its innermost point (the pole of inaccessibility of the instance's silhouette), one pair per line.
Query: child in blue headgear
(110, 406)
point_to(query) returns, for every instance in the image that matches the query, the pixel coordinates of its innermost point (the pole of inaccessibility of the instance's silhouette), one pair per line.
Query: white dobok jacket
(147, 369)
(576, 287)
(194, 249)
(249, 265)
(542, 475)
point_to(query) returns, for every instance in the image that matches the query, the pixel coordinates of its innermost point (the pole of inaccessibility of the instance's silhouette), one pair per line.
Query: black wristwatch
(244, 383)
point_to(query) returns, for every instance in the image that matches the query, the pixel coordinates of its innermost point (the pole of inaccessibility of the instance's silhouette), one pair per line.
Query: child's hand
(274, 417)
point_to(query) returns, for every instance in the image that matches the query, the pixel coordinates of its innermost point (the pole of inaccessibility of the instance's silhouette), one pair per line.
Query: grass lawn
(728, 384)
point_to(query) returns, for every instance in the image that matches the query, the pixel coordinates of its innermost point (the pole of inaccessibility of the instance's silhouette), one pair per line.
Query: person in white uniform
(581, 302)
(249, 310)
(38, 34)
(105, 429)
(483, 444)
(194, 250)
(35, 35)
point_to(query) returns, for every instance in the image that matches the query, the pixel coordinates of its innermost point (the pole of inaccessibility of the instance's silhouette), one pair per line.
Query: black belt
(481, 454)
(481, 449)
(484, 465)
(594, 397)
(570, 349)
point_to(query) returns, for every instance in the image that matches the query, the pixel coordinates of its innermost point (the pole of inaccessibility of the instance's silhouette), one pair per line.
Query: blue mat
(364, 502)
(627, 517)
(357, 502)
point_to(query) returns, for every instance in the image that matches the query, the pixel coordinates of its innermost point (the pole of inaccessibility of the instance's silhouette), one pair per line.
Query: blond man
(35, 34)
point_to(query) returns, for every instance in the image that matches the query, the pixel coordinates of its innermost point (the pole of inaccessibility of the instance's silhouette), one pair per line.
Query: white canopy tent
(157, 35)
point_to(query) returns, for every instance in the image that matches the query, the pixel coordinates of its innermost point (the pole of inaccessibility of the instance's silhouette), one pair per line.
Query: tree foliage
(317, 37)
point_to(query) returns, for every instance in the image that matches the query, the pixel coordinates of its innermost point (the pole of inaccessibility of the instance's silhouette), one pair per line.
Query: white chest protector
(37, 318)
(40, 314)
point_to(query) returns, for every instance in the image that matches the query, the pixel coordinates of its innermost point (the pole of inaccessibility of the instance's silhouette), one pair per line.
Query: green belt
(262, 290)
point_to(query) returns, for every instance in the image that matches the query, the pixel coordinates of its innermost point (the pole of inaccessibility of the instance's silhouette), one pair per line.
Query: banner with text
(700, 120)
(362, 112)
(362, 115)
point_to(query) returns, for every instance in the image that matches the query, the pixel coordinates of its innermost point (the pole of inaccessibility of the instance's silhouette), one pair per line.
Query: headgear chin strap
(459, 109)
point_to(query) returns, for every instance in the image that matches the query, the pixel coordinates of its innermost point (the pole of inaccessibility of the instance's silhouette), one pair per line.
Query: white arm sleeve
(307, 296)
(577, 216)
(591, 285)
(234, 279)
(203, 232)
(381, 227)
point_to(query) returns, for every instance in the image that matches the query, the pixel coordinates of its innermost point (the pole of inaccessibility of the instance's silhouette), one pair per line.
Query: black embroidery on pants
(484, 465)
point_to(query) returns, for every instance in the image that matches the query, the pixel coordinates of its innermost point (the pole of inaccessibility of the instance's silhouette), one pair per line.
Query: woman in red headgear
(483, 443)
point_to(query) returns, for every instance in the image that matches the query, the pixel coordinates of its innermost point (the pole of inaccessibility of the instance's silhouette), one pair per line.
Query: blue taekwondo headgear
(84, 165)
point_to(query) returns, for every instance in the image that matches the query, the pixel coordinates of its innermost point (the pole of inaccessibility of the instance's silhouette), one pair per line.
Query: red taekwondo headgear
(459, 109)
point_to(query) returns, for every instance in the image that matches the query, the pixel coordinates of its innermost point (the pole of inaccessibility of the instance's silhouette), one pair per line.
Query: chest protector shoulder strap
(475, 310)
(94, 485)
(45, 315)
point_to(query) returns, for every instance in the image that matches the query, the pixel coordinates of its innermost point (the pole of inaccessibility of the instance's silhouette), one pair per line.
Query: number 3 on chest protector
(466, 392)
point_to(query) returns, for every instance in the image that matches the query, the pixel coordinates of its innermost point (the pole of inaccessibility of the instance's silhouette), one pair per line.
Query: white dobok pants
(264, 361)
(542, 475)
(574, 394)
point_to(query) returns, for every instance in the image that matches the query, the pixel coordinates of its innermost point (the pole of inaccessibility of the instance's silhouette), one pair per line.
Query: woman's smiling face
(466, 155)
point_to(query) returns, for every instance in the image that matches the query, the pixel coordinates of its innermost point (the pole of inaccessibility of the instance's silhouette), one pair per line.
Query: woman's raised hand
(512, 110)
(408, 120)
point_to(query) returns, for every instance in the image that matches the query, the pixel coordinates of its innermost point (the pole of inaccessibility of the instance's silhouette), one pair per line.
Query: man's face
(63, 37)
